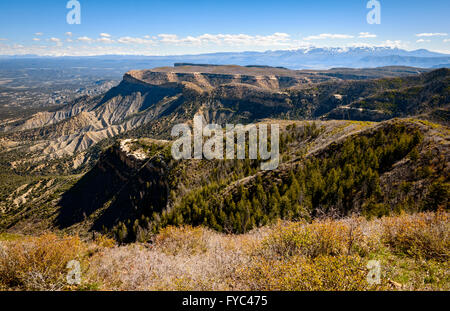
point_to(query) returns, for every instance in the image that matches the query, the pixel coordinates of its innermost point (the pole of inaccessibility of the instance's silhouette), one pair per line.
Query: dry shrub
(185, 239)
(180, 259)
(326, 237)
(104, 241)
(298, 273)
(424, 235)
(136, 267)
(38, 263)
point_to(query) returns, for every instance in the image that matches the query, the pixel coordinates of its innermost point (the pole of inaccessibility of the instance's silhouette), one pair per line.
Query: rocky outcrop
(215, 76)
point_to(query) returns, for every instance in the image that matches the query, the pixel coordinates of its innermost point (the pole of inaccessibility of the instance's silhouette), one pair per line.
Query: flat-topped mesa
(209, 77)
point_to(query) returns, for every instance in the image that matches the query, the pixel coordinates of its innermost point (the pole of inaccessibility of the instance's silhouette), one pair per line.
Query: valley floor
(412, 252)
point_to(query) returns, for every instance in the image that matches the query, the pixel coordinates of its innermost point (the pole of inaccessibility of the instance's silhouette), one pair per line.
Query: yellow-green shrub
(105, 242)
(306, 274)
(38, 263)
(319, 238)
(424, 235)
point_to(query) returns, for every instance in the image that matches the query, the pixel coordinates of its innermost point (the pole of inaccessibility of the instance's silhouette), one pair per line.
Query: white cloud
(446, 40)
(105, 35)
(324, 36)
(69, 34)
(431, 34)
(276, 39)
(366, 35)
(168, 38)
(38, 34)
(132, 40)
(56, 40)
(85, 39)
(105, 40)
(3, 39)
(69, 40)
(422, 40)
(36, 39)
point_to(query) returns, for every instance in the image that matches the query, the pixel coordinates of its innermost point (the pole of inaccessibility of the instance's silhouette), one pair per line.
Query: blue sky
(166, 27)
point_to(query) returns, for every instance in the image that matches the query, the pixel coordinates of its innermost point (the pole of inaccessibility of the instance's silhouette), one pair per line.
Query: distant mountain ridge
(303, 58)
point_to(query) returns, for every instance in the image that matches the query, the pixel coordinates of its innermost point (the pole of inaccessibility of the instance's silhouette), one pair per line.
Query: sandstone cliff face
(213, 80)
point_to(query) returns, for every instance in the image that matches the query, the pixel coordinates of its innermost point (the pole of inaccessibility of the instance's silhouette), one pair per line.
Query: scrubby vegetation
(37, 263)
(413, 252)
